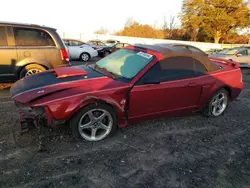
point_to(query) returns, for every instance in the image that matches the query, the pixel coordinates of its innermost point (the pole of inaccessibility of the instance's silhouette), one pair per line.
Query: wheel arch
(21, 64)
(119, 110)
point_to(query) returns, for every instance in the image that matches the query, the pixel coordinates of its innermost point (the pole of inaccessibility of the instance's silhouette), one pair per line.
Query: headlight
(99, 49)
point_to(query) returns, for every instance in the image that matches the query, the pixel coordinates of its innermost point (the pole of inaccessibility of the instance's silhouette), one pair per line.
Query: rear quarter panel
(227, 77)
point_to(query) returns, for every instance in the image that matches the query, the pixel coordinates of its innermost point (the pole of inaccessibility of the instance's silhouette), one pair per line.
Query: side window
(100, 44)
(248, 52)
(172, 68)
(74, 43)
(3, 37)
(119, 45)
(243, 52)
(200, 69)
(32, 37)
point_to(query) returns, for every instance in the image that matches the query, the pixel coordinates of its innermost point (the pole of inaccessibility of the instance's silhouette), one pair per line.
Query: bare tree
(102, 31)
(168, 26)
(130, 21)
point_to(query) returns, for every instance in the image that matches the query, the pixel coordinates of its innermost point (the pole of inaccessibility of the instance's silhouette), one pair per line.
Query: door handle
(192, 85)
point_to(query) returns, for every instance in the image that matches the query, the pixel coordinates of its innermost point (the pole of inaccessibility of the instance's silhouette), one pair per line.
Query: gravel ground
(179, 152)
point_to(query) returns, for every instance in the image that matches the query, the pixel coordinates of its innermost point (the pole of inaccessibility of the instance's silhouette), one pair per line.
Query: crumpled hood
(48, 82)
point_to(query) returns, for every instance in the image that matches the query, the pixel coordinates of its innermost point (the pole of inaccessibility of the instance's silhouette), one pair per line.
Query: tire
(209, 109)
(106, 53)
(84, 57)
(94, 127)
(31, 69)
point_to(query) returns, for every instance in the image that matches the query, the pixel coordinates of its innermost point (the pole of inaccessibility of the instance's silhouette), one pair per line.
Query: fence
(132, 40)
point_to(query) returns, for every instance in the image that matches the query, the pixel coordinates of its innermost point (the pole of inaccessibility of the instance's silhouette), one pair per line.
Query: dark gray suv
(29, 49)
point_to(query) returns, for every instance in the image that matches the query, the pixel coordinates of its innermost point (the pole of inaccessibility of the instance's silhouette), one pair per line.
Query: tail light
(64, 54)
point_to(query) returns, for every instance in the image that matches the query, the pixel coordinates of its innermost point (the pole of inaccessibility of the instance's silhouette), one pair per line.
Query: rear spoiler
(230, 63)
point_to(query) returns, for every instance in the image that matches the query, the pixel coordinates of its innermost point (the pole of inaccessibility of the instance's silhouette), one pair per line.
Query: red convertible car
(134, 84)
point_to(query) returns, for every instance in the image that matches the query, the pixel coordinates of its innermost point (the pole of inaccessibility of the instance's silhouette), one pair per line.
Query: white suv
(80, 50)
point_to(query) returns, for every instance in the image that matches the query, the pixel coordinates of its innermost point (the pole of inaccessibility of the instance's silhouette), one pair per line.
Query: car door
(169, 86)
(8, 54)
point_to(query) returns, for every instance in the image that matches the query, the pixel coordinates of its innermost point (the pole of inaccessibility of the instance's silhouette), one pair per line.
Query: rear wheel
(85, 57)
(31, 69)
(218, 104)
(106, 53)
(94, 122)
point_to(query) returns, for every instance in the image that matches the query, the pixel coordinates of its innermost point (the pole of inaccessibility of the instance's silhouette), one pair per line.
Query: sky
(88, 16)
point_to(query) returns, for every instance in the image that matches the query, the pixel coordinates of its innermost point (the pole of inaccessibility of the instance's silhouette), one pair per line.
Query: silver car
(238, 54)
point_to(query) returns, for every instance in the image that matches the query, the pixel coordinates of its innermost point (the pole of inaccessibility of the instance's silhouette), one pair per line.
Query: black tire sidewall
(106, 53)
(76, 118)
(30, 66)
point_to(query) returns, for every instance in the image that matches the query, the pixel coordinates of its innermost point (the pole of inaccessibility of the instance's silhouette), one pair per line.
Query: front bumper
(35, 115)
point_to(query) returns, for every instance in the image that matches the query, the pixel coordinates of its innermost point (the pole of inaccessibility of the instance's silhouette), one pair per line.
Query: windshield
(231, 51)
(125, 63)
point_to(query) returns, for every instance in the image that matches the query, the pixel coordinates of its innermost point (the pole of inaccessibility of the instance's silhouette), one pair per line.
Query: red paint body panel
(142, 102)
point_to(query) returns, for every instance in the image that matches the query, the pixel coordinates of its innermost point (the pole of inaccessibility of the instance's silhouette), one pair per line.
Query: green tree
(215, 17)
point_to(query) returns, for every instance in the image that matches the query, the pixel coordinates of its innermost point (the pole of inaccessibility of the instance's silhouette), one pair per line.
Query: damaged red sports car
(134, 84)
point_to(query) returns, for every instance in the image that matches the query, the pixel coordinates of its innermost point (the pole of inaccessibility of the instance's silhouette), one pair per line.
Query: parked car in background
(213, 51)
(120, 45)
(131, 85)
(102, 48)
(26, 49)
(96, 43)
(111, 42)
(79, 50)
(239, 54)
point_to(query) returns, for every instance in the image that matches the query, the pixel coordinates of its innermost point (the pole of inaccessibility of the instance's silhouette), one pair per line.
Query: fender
(27, 61)
(68, 109)
(118, 106)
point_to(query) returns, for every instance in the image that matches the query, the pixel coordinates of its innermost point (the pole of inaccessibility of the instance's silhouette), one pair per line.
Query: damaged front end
(29, 116)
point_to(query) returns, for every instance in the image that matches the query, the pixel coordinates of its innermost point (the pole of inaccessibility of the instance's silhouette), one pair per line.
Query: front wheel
(94, 122)
(218, 104)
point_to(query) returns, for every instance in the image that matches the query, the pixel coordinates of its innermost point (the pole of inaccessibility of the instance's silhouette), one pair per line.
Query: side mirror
(238, 55)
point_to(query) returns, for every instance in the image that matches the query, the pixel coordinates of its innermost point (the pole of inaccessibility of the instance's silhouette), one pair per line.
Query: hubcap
(32, 71)
(219, 104)
(95, 124)
(85, 57)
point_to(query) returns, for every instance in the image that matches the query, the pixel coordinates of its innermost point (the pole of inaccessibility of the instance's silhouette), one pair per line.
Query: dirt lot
(179, 152)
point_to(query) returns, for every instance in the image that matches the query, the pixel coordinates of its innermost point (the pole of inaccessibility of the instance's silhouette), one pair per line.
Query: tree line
(216, 21)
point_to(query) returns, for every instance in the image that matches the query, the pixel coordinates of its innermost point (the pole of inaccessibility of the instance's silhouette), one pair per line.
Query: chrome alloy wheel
(85, 57)
(219, 103)
(32, 71)
(95, 124)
